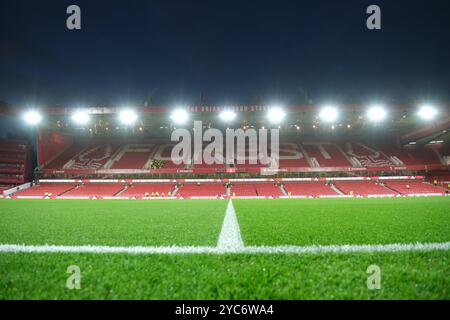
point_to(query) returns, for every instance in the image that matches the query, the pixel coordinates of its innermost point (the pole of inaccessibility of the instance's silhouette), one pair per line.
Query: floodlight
(329, 113)
(128, 117)
(227, 115)
(376, 113)
(81, 117)
(427, 112)
(32, 117)
(179, 116)
(275, 115)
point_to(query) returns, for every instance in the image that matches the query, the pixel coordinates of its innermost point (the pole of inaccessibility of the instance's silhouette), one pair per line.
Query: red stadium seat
(415, 187)
(98, 190)
(139, 190)
(201, 190)
(309, 189)
(40, 190)
(363, 188)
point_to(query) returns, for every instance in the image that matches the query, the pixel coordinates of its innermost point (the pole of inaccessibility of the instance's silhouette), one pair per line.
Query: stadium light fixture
(227, 115)
(179, 116)
(128, 117)
(427, 112)
(81, 117)
(329, 113)
(376, 113)
(275, 115)
(32, 117)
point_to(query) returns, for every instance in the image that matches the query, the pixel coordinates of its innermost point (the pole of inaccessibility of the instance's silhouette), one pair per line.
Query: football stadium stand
(310, 189)
(201, 190)
(15, 162)
(143, 190)
(112, 157)
(139, 168)
(240, 188)
(43, 189)
(4, 187)
(243, 190)
(132, 156)
(326, 155)
(364, 188)
(98, 190)
(406, 187)
(268, 190)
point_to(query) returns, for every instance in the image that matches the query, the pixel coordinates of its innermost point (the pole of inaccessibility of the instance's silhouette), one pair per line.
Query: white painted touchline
(104, 249)
(349, 248)
(230, 238)
(230, 241)
(218, 250)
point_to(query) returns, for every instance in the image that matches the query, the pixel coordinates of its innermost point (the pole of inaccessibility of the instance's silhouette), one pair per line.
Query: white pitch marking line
(349, 248)
(218, 250)
(230, 239)
(105, 249)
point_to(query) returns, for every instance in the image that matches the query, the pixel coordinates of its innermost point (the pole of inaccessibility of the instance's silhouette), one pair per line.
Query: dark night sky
(233, 51)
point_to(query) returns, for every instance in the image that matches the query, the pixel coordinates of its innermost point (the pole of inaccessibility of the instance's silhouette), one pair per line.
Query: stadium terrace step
(335, 188)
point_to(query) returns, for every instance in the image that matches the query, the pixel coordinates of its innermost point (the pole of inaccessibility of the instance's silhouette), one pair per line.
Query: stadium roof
(99, 110)
(401, 119)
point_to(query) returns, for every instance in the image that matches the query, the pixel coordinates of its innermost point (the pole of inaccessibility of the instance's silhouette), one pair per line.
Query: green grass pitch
(111, 222)
(303, 222)
(344, 221)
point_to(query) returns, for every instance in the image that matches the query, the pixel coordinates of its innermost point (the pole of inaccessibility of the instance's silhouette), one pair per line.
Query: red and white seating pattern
(364, 156)
(219, 159)
(325, 155)
(65, 157)
(291, 155)
(305, 154)
(132, 156)
(92, 157)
